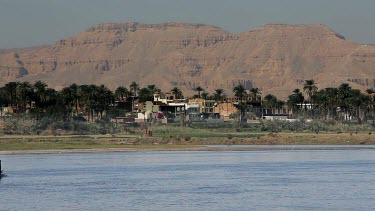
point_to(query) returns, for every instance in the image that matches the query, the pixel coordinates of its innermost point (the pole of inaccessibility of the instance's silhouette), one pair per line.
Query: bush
(316, 126)
(18, 126)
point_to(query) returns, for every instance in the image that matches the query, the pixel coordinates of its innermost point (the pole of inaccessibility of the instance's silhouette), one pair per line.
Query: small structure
(275, 116)
(1, 171)
(225, 109)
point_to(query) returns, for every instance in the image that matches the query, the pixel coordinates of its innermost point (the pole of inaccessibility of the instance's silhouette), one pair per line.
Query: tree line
(341, 103)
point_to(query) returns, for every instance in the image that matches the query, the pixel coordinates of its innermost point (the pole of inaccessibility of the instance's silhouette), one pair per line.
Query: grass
(174, 137)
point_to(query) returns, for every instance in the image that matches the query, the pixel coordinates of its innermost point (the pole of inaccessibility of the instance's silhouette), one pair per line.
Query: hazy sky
(25, 23)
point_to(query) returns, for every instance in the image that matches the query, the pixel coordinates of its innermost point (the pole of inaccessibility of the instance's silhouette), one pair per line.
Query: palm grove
(341, 104)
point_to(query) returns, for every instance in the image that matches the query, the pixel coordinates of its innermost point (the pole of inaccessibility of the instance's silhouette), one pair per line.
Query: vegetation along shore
(91, 117)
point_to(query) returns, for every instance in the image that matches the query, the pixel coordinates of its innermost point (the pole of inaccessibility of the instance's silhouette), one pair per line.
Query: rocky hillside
(276, 58)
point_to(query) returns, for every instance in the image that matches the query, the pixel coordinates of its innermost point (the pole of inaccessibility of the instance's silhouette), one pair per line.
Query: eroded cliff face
(276, 58)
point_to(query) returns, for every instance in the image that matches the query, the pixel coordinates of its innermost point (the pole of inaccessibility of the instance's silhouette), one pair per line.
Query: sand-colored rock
(276, 58)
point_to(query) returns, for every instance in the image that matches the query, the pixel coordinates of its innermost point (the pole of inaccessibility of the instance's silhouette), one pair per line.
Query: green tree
(344, 93)
(177, 92)
(219, 95)
(199, 89)
(40, 94)
(296, 100)
(255, 94)
(122, 93)
(11, 91)
(310, 88)
(205, 95)
(134, 88)
(239, 91)
(26, 94)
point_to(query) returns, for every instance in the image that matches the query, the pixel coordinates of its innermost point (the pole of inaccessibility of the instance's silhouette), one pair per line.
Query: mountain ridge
(275, 57)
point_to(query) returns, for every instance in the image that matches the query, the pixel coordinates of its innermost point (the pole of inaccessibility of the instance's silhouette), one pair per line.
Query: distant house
(193, 112)
(157, 110)
(225, 109)
(207, 107)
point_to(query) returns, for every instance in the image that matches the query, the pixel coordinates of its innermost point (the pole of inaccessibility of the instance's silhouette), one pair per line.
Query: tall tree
(122, 93)
(296, 100)
(11, 91)
(255, 94)
(310, 88)
(4, 101)
(239, 91)
(344, 94)
(219, 94)
(371, 94)
(270, 101)
(134, 88)
(153, 89)
(74, 89)
(205, 95)
(177, 92)
(26, 94)
(199, 89)
(40, 93)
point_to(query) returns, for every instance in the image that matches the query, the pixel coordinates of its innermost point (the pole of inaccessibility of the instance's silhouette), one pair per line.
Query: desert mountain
(276, 58)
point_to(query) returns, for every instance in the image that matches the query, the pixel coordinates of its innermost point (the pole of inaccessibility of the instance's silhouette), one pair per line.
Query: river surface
(253, 180)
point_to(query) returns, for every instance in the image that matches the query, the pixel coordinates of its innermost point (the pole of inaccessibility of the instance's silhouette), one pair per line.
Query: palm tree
(199, 89)
(295, 100)
(270, 101)
(153, 89)
(103, 98)
(371, 106)
(134, 88)
(255, 94)
(332, 101)
(68, 99)
(145, 94)
(321, 103)
(3, 100)
(87, 92)
(219, 94)
(11, 90)
(40, 92)
(239, 91)
(344, 93)
(121, 93)
(205, 95)
(25, 92)
(310, 88)
(177, 92)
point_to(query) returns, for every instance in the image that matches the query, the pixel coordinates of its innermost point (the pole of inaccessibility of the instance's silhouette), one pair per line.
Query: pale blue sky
(25, 23)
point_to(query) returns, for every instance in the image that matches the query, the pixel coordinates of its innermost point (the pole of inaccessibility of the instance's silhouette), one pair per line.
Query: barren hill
(276, 58)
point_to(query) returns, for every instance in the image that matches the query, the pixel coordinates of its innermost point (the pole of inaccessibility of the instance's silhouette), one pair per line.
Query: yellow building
(206, 106)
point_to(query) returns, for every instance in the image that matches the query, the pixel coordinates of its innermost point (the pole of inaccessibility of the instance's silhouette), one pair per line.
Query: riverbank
(128, 143)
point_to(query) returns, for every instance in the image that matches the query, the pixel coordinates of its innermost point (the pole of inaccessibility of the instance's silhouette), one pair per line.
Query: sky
(26, 23)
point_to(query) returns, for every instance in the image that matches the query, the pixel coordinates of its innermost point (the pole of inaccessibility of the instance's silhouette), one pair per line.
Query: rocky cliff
(276, 58)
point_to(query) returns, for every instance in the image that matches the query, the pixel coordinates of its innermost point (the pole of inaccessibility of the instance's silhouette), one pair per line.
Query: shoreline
(202, 148)
(10, 145)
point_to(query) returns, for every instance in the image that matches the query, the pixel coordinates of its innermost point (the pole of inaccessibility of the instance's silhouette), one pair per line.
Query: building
(225, 109)
(207, 107)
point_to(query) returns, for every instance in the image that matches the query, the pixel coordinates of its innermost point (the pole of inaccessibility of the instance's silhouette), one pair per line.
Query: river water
(253, 180)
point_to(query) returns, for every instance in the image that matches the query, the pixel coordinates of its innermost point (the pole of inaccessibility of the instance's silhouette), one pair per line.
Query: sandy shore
(197, 148)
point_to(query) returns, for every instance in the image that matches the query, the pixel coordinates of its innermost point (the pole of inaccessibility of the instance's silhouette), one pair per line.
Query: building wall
(225, 109)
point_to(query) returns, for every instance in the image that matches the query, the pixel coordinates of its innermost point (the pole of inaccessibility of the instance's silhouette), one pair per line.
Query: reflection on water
(285, 180)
